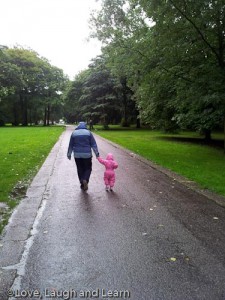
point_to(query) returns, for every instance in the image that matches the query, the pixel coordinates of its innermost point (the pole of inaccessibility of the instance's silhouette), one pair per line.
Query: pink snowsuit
(109, 174)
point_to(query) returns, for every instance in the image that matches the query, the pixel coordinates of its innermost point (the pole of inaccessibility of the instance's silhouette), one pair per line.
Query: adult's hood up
(82, 125)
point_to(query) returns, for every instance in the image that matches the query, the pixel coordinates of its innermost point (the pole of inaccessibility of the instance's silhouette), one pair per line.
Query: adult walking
(91, 127)
(81, 144)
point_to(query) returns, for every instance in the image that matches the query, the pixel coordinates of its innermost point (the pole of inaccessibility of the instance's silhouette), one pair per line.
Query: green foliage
(173, 56)
(95, 94)
(31, 87)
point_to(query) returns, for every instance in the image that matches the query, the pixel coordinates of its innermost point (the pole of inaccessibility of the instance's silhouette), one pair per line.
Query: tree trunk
(207, 133)
(224, 137)
(138, 123)
(125, 113)
(15, 113)
(30, 116)
(123, 82)
(35, 117)
(45, 117)
(48, 115)
(23, 101)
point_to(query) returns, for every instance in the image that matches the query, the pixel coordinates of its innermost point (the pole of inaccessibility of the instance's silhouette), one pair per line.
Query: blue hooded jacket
(81, 143)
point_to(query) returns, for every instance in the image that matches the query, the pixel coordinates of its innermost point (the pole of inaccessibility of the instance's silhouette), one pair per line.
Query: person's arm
(115, 165)
(101, 160)
(94, 145)
(70, 147)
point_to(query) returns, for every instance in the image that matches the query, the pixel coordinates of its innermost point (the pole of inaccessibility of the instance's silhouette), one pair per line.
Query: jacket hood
(109, 156)
(82, 125)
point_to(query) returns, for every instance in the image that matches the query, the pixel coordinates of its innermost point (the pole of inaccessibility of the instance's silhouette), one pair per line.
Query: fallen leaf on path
(151, 208)
(215, 218)
(45, 232)
(173, 259)
(144, 233)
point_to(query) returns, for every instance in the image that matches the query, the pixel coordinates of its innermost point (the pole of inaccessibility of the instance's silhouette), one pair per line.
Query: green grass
(22, 152)
(182, 153)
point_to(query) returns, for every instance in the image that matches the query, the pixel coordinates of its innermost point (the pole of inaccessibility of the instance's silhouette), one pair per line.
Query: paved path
(152, 238)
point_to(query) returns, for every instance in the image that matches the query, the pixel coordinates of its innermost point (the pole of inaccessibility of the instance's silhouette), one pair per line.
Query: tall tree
(100, 95)
(10, 82)
(190, 42)
(172, 46)
(72, 95)
(34, 82)
(94, 94)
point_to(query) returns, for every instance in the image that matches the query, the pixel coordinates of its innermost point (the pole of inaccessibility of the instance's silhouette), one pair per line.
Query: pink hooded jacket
(110, 164)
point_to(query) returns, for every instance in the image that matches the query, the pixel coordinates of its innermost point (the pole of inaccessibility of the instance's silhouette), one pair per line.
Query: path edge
(218, 199)
(18, 230)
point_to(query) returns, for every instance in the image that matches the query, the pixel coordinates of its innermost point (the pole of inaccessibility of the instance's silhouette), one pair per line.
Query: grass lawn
(183, 153)
(22, 152)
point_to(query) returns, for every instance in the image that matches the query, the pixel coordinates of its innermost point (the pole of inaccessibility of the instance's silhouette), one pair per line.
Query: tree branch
(163, 68)
(197, 29)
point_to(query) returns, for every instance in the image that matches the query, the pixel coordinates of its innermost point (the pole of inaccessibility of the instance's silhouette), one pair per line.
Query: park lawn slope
(22, 152)
(183, 153)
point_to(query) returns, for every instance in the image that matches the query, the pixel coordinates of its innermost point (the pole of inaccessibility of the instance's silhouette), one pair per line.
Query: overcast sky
(55, 29)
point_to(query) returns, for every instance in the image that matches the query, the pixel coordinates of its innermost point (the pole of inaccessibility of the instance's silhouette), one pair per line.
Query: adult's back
(81, 144)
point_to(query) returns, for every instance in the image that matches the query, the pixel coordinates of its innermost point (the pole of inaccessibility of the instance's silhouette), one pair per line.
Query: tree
(172, 46)
(94, 95)
(100, 93)
(74, 90)
(10, 80)
(54, 85)
(191, 46)
(123, 30)
(29, 84)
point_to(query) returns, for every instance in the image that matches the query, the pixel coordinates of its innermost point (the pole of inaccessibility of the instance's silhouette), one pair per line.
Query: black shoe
(82, 186)
(85, 185)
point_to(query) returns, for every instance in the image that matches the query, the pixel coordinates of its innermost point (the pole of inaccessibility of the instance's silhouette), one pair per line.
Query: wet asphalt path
(152, 238)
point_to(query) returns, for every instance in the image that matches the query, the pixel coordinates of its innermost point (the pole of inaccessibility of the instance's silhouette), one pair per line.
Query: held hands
(69, 157)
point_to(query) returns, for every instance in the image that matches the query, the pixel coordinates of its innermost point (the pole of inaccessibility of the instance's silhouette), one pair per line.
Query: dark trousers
(84, 168)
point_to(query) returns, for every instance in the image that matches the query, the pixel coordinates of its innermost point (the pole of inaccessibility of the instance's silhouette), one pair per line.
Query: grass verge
(22, 152)
(184, 153)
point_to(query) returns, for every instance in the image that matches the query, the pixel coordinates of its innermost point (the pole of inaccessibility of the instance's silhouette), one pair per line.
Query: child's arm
(115, 165)
(101, 160)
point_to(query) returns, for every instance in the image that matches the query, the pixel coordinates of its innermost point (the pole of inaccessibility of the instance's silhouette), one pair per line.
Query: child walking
(109, 174)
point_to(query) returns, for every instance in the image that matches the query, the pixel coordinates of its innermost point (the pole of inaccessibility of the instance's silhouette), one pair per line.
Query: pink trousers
(109, 178)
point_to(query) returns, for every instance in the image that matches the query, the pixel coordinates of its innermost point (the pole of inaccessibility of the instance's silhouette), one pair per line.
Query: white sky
(55, 29)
